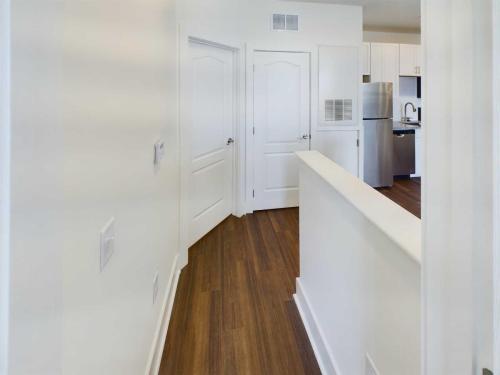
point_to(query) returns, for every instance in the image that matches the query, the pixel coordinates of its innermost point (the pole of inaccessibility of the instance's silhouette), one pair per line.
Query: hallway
(234, 312)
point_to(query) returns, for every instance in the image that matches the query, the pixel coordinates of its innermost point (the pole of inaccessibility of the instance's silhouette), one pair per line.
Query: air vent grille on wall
(329, 110)
(285, 22)
(338, 110)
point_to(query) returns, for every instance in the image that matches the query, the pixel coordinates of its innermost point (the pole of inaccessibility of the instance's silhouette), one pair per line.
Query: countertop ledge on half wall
(399, 225)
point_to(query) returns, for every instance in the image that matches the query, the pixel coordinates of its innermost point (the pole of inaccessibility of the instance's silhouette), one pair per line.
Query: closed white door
(211, 111)
(342, 146)
(282, 126)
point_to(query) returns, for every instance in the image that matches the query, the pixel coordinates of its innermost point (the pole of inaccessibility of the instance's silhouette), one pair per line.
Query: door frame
(5, 139)
(496, 184)
(250, 146)
(237, 205)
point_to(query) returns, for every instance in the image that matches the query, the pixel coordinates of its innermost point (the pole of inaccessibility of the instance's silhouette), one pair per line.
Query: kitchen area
(392, 121)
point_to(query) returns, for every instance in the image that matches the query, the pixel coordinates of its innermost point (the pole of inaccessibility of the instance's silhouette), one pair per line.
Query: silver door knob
(230, 141)
(306, 136)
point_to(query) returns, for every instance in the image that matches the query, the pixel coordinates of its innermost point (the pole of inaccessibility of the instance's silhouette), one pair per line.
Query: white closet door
(211, 96)
(282, 126)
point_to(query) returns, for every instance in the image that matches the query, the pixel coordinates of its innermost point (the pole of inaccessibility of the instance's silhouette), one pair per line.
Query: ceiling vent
(285, 22)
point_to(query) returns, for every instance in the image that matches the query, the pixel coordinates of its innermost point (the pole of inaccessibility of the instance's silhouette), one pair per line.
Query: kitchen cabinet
(410, 60)
(341, 146)
(385, 68)
(366, 59)
(418, 153)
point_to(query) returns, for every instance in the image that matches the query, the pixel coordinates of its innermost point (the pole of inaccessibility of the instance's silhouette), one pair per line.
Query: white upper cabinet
(410, 57)
(366, 59)
(385, 68)
(384, 62)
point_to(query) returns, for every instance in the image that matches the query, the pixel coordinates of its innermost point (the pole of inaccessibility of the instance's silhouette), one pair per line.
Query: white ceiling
(386, 15)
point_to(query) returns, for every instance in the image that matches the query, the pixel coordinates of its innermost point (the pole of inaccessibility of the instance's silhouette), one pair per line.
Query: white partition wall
(359, 286)
(458, 186)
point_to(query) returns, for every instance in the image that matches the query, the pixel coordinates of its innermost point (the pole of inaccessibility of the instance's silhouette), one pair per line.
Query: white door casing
(210, 92)
(282, 125)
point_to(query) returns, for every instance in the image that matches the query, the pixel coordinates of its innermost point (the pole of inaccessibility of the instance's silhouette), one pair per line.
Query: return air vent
(338, 110)
(285, 22)
(329, 110)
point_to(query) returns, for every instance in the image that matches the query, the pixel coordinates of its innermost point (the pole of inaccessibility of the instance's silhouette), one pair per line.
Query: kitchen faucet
(406, 118)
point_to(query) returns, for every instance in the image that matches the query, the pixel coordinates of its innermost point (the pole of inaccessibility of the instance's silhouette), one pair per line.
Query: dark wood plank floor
(405, 192)
(234, 312)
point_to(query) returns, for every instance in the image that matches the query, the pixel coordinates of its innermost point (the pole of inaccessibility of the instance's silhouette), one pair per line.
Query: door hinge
(253, 193)
(253, 130)
(357, 142)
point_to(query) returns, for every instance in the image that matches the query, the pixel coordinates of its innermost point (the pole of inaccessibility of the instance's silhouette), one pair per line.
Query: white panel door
(341, 146)
(210, 94)
(282, 126)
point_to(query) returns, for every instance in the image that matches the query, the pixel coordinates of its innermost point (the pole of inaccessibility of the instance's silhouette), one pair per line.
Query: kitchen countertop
(398, 125)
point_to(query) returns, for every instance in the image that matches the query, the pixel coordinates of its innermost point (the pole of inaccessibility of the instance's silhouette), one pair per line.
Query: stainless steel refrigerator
(378, 142)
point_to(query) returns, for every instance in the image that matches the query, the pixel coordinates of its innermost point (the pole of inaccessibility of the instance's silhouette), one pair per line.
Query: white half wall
(359, 286)
(457, 207)
(93, 87)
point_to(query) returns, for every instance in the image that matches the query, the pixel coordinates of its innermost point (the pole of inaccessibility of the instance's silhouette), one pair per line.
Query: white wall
(458, 186)
(359, 285)
(240, 23)
(391, 37)
(93, 87)
(4, 182)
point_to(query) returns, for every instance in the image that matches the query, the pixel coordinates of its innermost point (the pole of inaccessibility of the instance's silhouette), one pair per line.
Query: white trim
(4, 182)
(324, 356)
(156, 351)
(185, 39)
(496, 183)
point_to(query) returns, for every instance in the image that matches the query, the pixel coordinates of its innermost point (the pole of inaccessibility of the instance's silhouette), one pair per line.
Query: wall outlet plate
(107, 243)
(155, 287)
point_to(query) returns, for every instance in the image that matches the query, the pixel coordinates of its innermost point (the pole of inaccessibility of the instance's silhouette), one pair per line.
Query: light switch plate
(159, 152)
(107, 243)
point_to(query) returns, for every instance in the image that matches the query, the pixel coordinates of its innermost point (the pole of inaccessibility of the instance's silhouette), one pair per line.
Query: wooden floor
(233, 312)
(406, 193)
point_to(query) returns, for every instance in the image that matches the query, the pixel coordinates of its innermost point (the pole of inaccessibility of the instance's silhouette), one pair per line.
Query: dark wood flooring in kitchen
(405, 192)
(234, 312)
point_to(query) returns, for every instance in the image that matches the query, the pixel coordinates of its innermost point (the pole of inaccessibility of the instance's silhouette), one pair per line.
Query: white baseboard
(326, 361)
(161, 331)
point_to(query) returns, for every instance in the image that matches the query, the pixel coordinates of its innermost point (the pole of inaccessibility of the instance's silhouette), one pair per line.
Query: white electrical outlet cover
(107, 243)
